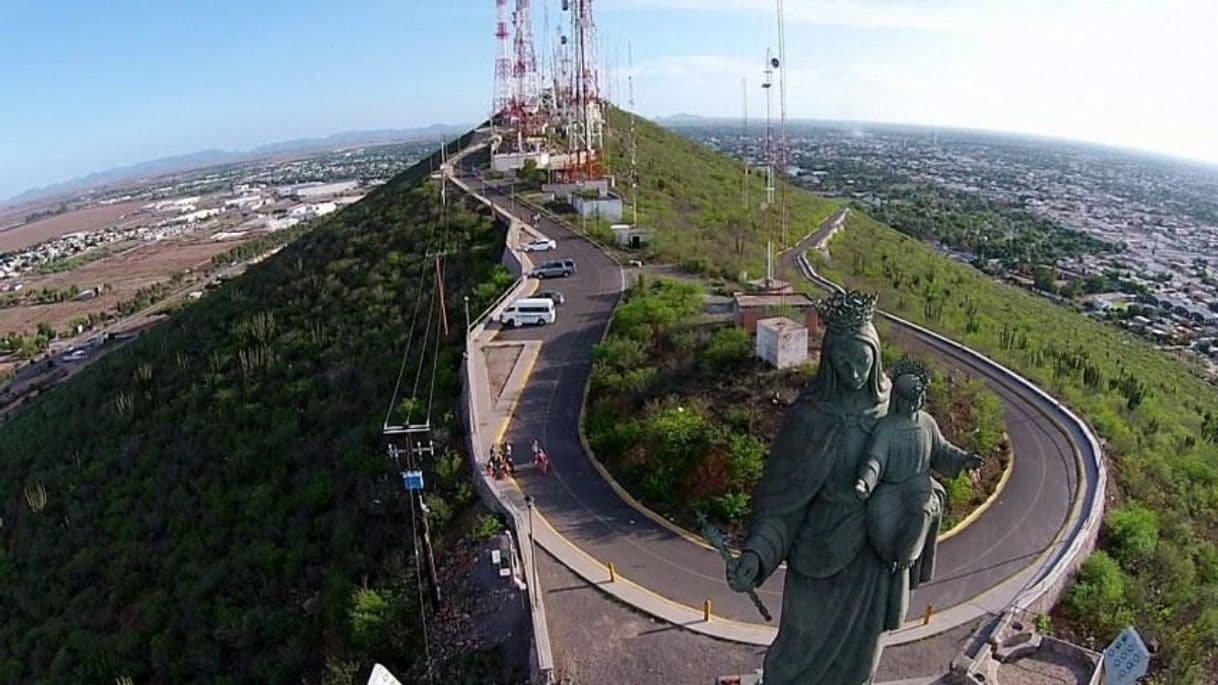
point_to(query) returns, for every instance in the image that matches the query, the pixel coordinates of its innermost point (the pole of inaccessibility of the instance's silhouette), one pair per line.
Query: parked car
(554, 295)
(528, 311)
(553, 269)
(540, 246)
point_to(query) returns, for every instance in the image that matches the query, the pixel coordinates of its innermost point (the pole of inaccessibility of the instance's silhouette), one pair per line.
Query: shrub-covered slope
(694, 199)
(211, 490)
(1158, 564)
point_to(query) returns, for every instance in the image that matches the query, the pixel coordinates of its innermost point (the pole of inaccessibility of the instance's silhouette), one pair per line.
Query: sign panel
(382, 676)
(412, 480)
(1126, 659)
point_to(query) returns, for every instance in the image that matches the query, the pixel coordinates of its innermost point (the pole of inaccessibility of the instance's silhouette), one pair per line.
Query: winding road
(1020, 534)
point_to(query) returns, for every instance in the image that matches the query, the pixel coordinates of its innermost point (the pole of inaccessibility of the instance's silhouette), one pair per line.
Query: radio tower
(503, 63)
(587, 91)
(525, 70)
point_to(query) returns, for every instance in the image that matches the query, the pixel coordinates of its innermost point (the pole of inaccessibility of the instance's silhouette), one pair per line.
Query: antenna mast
(782, 115)
(634, 162)
(770, 64)
(503, 63)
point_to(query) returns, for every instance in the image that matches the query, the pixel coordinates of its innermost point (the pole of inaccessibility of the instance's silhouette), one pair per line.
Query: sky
(86, 85)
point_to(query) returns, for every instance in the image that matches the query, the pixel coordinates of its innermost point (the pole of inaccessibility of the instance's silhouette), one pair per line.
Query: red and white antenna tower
(528, 93)
(503, 63)
(587, 81)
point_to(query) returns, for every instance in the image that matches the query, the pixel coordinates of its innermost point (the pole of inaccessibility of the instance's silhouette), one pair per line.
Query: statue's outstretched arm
(948, 459)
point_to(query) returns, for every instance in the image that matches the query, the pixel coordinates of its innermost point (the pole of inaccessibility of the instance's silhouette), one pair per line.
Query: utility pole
(534, 583)
(429, 558)
(440, 289)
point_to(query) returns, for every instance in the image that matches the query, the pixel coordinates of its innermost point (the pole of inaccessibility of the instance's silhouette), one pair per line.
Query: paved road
(582, 507)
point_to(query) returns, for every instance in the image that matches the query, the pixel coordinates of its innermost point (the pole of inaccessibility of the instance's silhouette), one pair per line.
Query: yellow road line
(528, 369)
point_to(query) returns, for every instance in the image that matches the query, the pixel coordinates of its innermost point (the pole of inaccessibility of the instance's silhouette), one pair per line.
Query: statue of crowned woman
(850, 508)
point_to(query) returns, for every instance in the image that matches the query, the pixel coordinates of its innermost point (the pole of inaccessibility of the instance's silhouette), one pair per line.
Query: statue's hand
(860, 488)
(743, 572)
(974, 462)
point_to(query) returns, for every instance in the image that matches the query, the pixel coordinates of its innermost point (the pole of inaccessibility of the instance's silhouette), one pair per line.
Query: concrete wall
(748, 317)
(607, 208)
(781, 342)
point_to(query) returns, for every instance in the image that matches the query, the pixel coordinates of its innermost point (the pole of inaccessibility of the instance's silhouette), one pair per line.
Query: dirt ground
(52, 227)
(126, 273)
(500, 360)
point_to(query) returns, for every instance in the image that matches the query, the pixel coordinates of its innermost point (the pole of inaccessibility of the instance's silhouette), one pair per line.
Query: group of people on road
(500, 463)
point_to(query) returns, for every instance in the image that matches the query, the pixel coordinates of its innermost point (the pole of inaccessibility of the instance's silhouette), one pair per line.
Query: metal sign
(412, 480)
(1126, 659)
(382, 676)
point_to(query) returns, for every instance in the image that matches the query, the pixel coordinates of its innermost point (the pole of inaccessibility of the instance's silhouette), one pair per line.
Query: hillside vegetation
(683, 412)
(1158, 564)
(694, 197)
(212, 503)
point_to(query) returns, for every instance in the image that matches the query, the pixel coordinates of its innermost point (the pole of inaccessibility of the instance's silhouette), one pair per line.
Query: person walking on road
(540, 459)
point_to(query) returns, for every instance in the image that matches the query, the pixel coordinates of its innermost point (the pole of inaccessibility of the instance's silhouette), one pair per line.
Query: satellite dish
(774, 62)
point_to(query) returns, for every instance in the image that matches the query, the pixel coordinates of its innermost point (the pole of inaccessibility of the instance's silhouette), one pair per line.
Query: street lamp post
(466, 313)
(535, 585)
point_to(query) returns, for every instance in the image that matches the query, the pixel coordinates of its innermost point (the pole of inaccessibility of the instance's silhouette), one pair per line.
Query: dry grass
(126, 273)
(91, 219)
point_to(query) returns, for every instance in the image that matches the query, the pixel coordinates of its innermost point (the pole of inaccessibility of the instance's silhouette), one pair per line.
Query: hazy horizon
(99, 87)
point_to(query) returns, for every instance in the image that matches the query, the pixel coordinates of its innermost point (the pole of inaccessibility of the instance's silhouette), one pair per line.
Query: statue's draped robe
(839, 594)
(905, 511)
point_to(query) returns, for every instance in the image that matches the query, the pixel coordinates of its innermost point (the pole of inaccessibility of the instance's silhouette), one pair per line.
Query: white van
(528, 310)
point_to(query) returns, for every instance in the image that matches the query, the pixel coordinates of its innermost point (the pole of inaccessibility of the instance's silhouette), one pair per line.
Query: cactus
(36, 497)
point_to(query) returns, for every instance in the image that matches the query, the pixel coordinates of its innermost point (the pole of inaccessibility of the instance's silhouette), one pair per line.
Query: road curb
(989, 501)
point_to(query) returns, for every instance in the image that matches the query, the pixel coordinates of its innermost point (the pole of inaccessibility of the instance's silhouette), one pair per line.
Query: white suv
(540, 246)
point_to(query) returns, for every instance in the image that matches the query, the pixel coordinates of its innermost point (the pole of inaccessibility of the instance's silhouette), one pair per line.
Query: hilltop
(212, 502)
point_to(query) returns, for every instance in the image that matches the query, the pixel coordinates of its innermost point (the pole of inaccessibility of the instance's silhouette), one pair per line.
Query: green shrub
(369, 617)
(1131, 533)
(1098, 599)
(438, 510)
(746, 457)
(728, 348)
(487, 527)
(733, 506)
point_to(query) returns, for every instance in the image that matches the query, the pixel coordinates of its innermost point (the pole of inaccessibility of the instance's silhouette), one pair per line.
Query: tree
(1044, 278)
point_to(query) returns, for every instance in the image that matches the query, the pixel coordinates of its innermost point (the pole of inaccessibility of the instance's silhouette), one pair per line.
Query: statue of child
(905, 504)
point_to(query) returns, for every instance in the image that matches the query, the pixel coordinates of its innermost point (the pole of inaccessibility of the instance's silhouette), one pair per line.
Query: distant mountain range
(206, 158)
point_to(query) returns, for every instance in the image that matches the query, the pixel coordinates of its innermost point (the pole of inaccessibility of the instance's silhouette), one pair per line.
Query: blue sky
(90, 85)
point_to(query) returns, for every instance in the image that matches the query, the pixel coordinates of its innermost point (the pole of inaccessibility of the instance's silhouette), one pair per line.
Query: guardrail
(474, 398)
(1042, 595)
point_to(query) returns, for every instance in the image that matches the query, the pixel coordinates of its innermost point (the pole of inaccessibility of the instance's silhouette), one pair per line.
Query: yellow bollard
(926, 615)
(706, 606)
(612, 573)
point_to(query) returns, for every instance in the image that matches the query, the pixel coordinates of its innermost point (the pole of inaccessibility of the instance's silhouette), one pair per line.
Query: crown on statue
(910, 377)
(847, 312)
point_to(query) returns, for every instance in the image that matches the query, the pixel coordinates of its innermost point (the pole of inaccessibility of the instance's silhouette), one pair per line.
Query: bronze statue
(841, 593)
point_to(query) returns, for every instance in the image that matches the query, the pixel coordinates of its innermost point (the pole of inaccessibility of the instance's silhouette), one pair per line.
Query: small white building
(781, 342)
(607, 207)
(630, 237)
